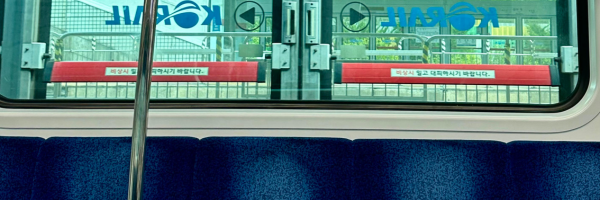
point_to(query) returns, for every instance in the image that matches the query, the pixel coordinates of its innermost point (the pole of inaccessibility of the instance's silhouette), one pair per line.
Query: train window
(518, 53)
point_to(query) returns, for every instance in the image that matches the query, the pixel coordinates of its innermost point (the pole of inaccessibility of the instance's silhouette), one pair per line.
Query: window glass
(467, 51)
(360, 40)
(388, 43)
(446, 52)
(537, 49)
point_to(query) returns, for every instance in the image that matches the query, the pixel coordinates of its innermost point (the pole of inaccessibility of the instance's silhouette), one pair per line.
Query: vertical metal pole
(573, 35)
(140, 117)
(39, 87)
(326, 38)
(519, 44)
(425, 58)
(507, 52)
(443, 56)
(219, 49)
(564, 34)
(485, 59)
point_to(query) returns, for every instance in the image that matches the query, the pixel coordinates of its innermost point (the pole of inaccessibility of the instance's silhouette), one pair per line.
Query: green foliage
(388, 43)
(497, 46)
(535, 29)
(538, 30)
(356, 40)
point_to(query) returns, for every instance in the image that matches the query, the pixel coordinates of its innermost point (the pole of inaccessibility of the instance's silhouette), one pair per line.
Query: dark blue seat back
(273, 168)
(300, 168)
(98, 168)
(17, 163)
(556, 170)
(422, 169)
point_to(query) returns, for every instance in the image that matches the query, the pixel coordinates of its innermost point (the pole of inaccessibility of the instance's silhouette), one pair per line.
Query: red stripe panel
(96, 72)
(504, 74)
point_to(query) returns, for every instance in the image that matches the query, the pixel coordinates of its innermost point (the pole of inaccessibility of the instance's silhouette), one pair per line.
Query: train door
(302, 50)
(382, 50)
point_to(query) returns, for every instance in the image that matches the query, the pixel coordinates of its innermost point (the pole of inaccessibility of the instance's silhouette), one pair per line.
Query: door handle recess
(312, 15)
(290, 22)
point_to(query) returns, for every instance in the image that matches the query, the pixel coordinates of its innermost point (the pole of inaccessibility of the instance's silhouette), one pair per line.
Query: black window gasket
(576, 96)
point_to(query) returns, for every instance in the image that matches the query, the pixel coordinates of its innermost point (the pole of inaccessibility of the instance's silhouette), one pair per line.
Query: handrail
(426, 40)
(142, 99)
(214, 34)
(491, 37)
(407, 35)
(336, 34)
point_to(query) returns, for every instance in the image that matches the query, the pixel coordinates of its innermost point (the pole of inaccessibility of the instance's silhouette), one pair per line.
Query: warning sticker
(159, 71)
(443, 73)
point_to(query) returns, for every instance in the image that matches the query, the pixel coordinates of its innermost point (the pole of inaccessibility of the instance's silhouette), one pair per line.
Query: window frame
(575, 97)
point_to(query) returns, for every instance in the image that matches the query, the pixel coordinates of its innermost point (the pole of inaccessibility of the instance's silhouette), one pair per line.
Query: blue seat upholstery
(423, 169)
(556, 170)
(17, 164)
(273, 168)
(98, 168)
(299, 168)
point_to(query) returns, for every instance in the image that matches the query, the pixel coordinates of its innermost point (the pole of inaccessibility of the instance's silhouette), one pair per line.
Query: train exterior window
(311, 53)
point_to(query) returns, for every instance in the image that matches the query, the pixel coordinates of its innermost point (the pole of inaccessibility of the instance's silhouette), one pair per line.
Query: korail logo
(460, 17)
(186, 15)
